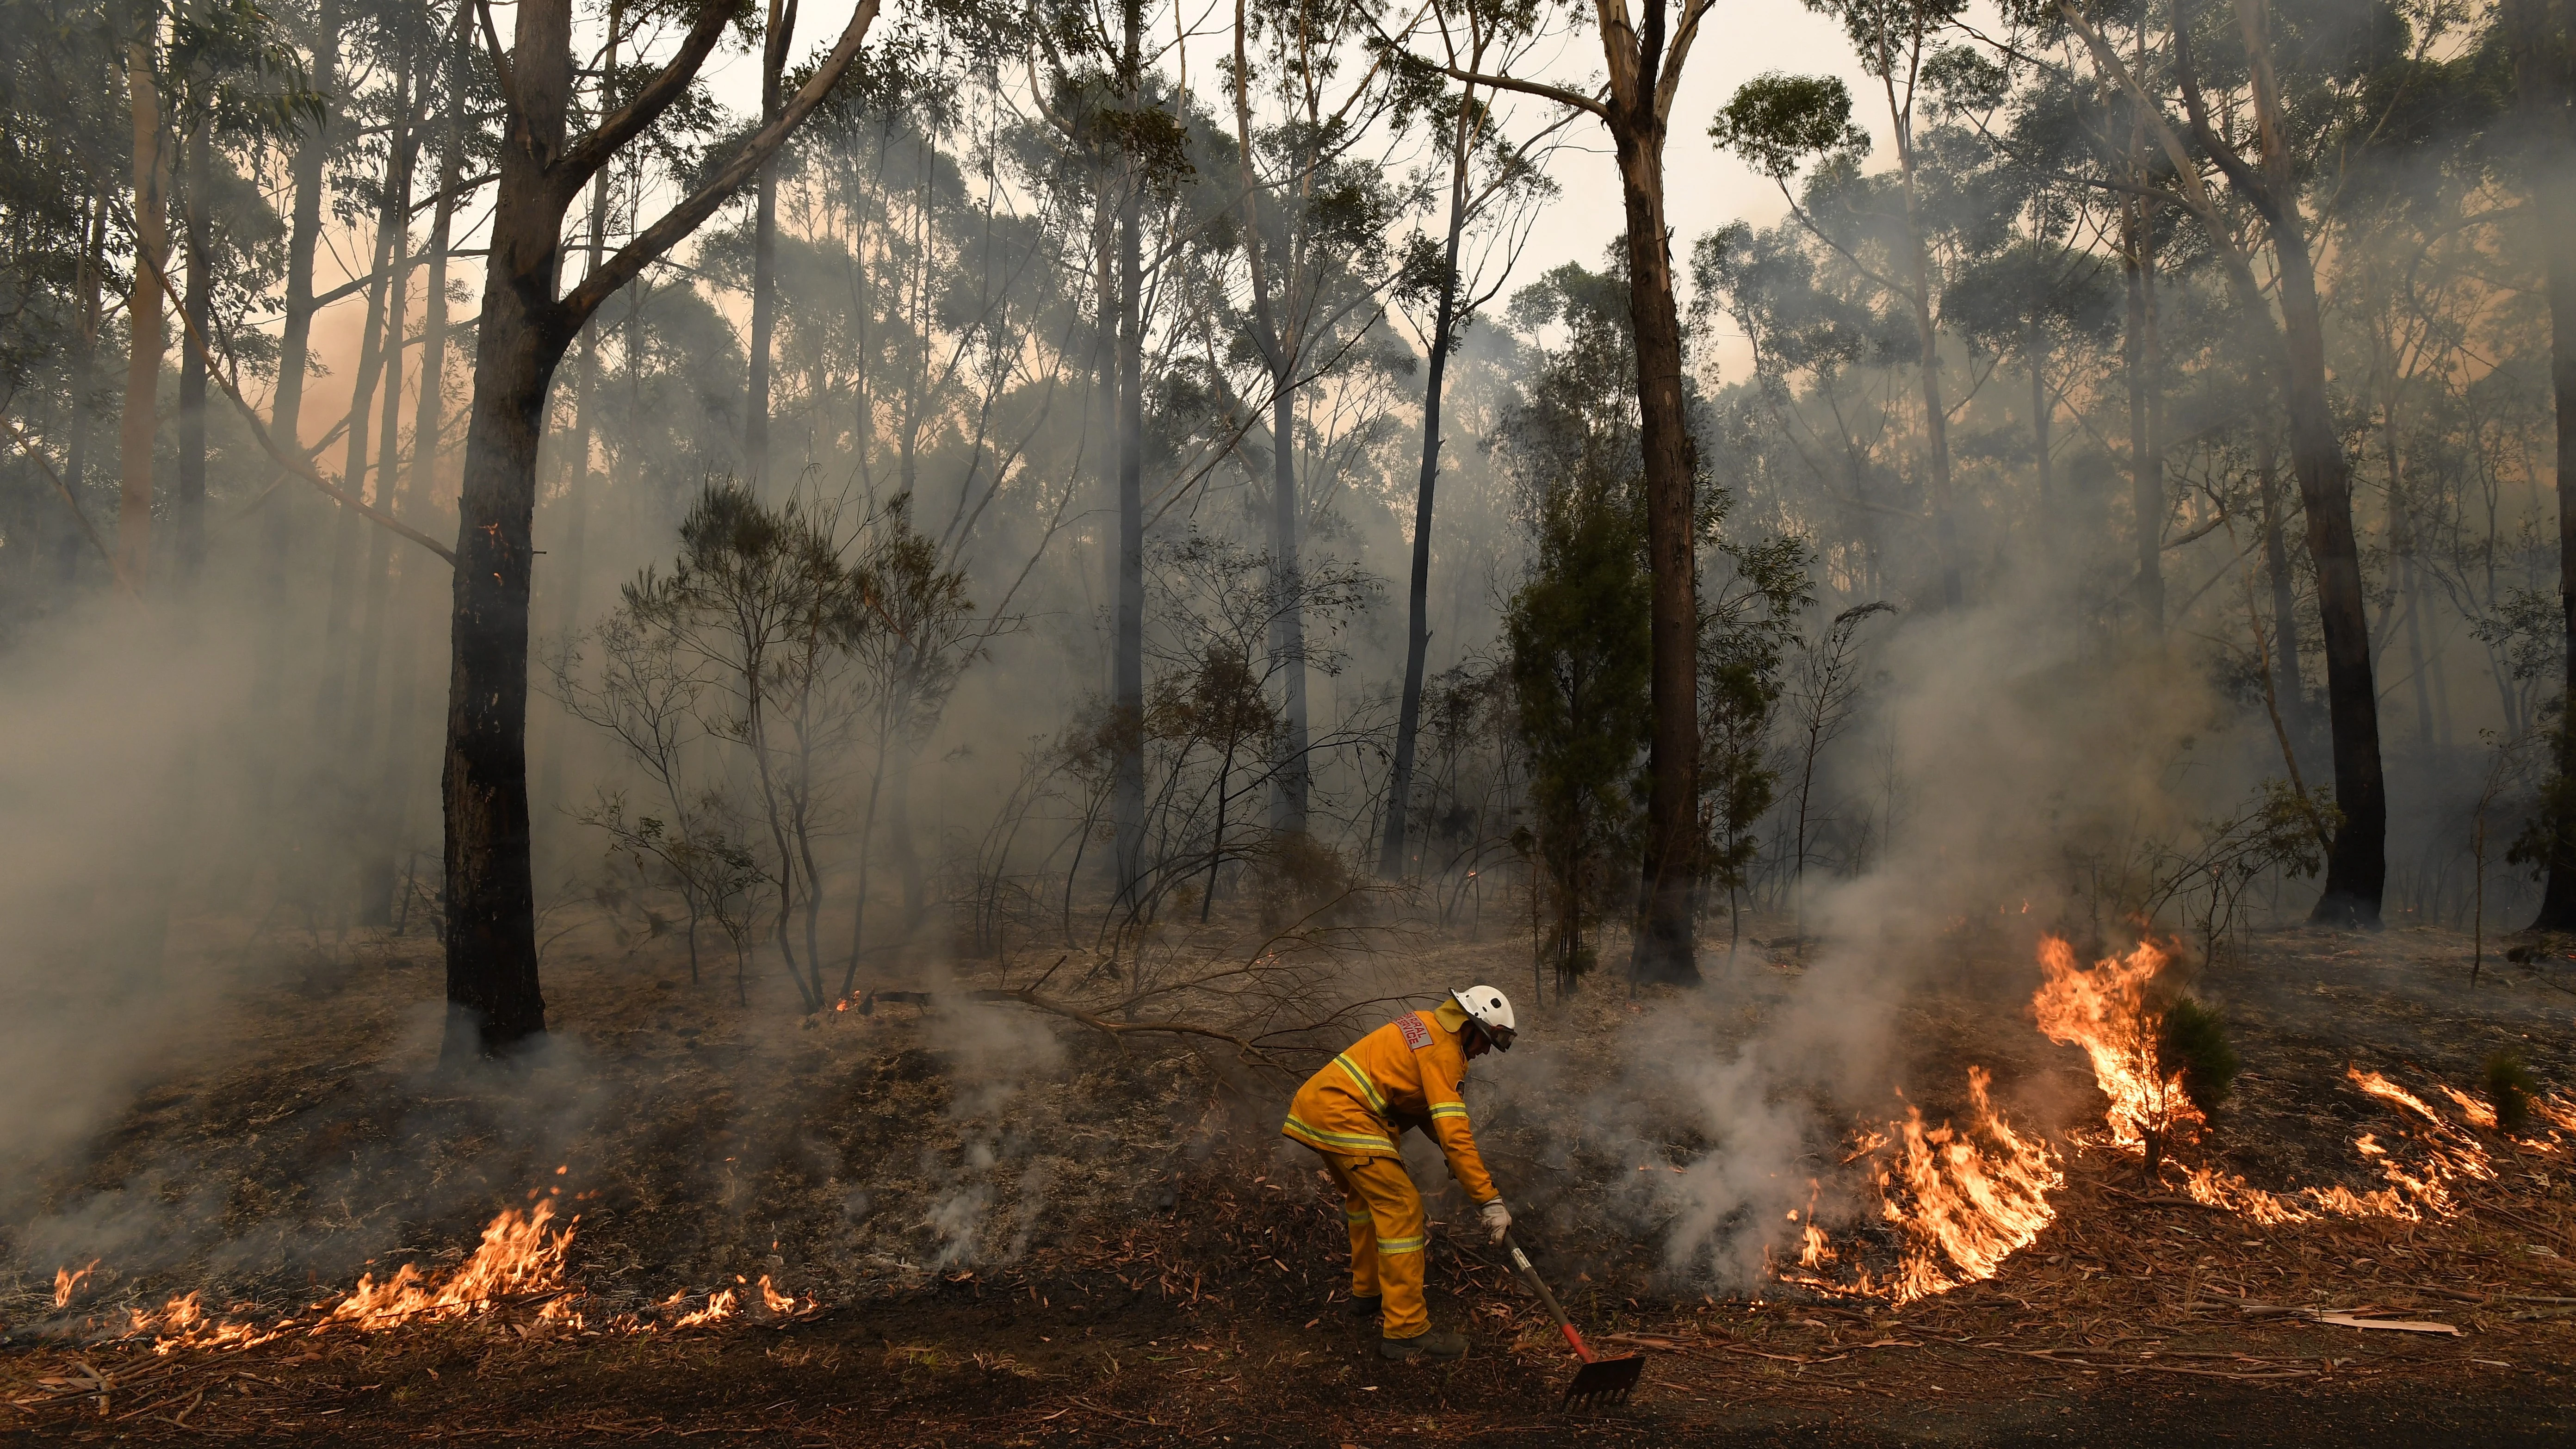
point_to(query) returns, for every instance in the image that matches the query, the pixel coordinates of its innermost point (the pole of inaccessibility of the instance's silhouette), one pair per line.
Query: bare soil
(1031, 1234)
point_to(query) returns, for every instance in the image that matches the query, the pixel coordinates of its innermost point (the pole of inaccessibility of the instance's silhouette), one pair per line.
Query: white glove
(1498, 1220)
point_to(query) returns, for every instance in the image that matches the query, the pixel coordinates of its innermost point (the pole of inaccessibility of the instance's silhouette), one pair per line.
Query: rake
(1600, 1381)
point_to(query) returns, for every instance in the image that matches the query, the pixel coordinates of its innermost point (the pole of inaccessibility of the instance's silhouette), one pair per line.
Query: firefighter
(1404, 1074)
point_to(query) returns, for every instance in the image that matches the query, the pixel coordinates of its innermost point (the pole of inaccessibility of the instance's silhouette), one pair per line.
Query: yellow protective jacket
(1404, 1074)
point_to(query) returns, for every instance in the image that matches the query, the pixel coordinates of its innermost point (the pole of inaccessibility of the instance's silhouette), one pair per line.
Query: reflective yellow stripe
(1390, 1247)
(1450, 1109)
(1368, 1089)
(1342, 1142)
(1360, 1216)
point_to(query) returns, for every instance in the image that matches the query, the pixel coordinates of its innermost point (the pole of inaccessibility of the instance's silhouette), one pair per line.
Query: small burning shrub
(2509, 1086)
(2193, 1041)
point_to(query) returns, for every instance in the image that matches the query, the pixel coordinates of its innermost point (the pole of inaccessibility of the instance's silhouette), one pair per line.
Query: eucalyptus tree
(526, 325)
(1316, 212)
(1643, 50)
(58, 170)
(2544, 73)
(1579, 627)
(2267, 169)
(1100, 96)
(1775, 121)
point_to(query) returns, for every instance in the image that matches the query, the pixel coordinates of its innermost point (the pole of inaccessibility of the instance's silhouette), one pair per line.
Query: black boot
(1435, 1344)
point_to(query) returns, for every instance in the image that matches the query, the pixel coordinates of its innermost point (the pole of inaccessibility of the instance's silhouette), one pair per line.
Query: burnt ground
(1023, 1233)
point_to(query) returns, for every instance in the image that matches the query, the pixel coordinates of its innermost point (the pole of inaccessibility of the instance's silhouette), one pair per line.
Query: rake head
(1603, 1382)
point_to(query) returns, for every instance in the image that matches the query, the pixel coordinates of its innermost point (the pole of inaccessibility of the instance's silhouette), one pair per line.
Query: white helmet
(1489, 1009)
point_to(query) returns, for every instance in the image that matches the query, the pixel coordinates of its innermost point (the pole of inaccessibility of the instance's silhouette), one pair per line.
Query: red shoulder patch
(1416, 1035)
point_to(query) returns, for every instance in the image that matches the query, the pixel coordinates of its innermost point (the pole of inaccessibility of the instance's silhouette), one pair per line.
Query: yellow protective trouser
(1384, 1213)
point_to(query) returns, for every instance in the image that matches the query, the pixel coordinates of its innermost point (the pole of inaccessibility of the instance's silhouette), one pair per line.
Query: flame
(521, 1259)
(67, 1283)
(2106, 1012)
(719, 1307)
(1960, 1201)
(518, 1258)
(782, 1304)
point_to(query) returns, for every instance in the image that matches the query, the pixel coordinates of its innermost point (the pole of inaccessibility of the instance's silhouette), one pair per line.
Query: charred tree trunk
(2357, 860)
(1665, 946)
(494, 1001)
(2357, 866)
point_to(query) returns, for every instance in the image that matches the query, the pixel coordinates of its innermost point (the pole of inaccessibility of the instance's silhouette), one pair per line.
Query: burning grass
(1959, 1201)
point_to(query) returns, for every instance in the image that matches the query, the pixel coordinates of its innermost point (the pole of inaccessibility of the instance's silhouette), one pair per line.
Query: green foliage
(2509, 1086)
(1577, 631)
(1776, 121)
(2192, 1040)
(1747, 625)
(1580, 669)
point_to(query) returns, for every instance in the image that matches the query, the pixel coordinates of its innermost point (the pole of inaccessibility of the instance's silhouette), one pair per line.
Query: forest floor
(1002, 1228)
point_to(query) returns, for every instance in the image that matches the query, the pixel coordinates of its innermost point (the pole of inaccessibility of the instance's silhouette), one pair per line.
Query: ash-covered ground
(1025, 1228)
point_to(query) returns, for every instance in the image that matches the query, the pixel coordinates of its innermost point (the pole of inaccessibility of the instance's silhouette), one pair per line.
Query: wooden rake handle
(1529, 1275)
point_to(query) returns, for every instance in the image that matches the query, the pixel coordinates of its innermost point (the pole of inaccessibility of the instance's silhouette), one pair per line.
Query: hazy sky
(1705, 190)
(1740, 39)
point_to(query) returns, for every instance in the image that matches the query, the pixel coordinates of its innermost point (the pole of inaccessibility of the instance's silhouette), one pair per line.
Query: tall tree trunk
(1665, 947)
(2146, 454)
(1392, 863)
(279, 627)
(330, 706)
(357, 751)
(569, 559)
(388, 842)
(1936, 413)
(494, 1001)
(191, 510)
(2546, 87)
(2287, 686)
(764, 252)
(1288, 616)
(143, 319)
(2357, 866)
(93, 268)
(1127, 650)
(2357, 862)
